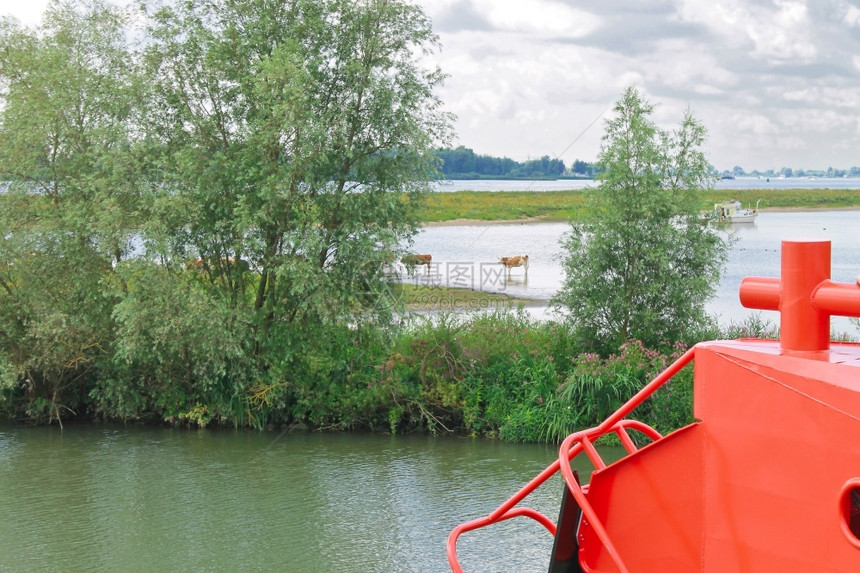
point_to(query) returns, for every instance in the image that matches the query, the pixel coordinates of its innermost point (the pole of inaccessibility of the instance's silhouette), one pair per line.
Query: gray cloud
(462, 16)
(635, 34)
(623, 7)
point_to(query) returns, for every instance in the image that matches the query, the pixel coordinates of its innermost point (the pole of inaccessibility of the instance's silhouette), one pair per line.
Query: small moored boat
(766, 479)
(735, 212)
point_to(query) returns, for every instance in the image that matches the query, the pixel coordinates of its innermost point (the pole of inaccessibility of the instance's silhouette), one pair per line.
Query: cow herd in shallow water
(413, 260)
(410, 261)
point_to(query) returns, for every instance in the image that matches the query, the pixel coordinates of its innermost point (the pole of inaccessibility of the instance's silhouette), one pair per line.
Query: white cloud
(826, 97)
(539, 17)
(29, 12)
(783, 35)
(852, 16)
(719, 15)
(755, 124)
(823, 121)
(698, 71)
(777, 32)
(707, 89)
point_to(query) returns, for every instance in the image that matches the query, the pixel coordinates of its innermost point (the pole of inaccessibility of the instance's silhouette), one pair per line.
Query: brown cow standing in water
(412, 260)
(516, 261)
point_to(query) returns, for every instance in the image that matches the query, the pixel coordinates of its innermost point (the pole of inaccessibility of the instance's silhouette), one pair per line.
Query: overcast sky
(776, 82)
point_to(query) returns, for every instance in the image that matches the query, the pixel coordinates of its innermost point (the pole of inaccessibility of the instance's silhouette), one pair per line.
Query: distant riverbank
(419, 298)
(805, 209)
(522, 221)
(482, 207)
(550, 219)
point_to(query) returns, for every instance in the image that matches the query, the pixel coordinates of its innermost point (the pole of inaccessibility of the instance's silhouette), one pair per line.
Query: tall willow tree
(293, 142)
(644, 265)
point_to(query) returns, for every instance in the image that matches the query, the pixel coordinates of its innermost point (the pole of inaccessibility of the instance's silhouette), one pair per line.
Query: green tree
(643, 265)
(579, 166)
(65, 122)
(198, 229)
(293, 144)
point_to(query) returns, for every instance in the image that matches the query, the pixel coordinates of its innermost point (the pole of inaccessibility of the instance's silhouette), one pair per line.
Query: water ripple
(160, 499)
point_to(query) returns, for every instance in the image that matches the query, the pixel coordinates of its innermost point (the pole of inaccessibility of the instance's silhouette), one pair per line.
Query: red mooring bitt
(805, 296)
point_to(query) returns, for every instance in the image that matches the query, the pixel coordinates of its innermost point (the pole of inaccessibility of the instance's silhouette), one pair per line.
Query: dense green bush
(508, 376)
(498, 374)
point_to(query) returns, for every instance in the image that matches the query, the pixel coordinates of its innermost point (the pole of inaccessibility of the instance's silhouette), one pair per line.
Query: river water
(727, 184)
(153, 499)
(467, 256)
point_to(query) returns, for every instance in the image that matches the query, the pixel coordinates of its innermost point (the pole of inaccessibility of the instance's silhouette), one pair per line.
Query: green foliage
(569, 205)
(504, 375)
(55, 322)
(193, 228)
(463, 163)
(753, 327)
(65, 94)
(670, 406)
(176, 345)
(309, 173)
(601, 386)
(592, 388)
(196, 234)
(643, 265)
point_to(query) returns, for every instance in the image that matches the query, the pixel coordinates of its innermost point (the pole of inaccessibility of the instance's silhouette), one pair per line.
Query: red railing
(571, 447)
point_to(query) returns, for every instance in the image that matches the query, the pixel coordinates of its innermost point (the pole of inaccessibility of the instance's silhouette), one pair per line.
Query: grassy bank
(440, 298)
(787, 198)
(504, 205)
(566, 205)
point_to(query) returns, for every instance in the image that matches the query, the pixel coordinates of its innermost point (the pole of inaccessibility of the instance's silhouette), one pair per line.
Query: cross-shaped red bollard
(805, 296)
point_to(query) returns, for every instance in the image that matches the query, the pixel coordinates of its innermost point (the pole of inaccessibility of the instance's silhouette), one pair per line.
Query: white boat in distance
(734, 212)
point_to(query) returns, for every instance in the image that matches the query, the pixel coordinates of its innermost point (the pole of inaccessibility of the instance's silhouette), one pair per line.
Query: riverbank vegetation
(570, 205)
(497, 374)
(198, 234)
(464, 163)
(417, 297)
(506, 375)
(503, 205)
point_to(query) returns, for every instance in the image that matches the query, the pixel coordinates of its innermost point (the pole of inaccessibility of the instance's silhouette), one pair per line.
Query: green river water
(156, 499)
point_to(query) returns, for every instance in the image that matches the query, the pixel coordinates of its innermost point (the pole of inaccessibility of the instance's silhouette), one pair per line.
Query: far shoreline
(463, 222)
(808, 209)
(471, 222)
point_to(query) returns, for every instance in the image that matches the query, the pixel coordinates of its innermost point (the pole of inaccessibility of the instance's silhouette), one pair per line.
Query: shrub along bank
(501, 374)
(509, 376)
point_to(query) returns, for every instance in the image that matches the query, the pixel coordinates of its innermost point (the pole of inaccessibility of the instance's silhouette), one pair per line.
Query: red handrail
(571, 447)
